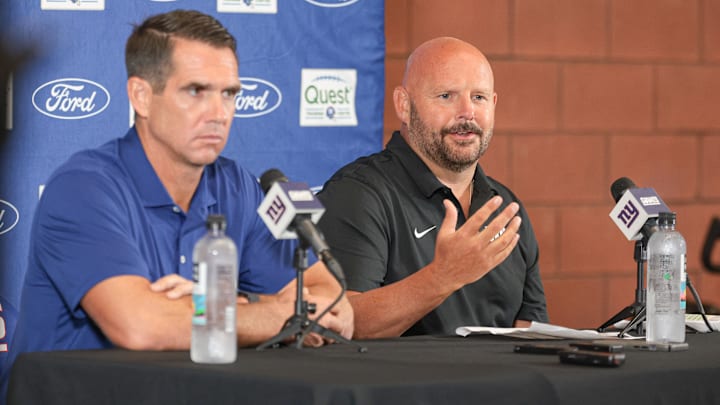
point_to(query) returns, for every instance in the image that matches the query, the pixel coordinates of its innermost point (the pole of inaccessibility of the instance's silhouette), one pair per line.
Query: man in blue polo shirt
(112, 237)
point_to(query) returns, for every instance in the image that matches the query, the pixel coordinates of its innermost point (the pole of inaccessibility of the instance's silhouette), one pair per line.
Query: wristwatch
(251, 297)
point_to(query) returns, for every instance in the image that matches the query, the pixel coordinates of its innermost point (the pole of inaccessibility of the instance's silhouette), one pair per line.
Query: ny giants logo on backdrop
(256, 97)
(72, 5)
(9, 217)
(71, 98)
(332, 3)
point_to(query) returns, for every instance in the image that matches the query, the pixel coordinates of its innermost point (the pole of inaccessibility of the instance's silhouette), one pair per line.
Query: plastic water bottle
(215, 267)
(666, 283)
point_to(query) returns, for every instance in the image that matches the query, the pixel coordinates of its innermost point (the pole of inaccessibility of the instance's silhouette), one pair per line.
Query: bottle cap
(666, 218)
(215, 221)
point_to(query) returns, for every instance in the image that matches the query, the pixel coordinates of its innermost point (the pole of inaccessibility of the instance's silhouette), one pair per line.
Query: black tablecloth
(418, 370)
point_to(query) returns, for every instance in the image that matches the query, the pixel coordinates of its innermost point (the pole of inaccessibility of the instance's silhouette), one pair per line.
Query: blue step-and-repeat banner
(312, 74)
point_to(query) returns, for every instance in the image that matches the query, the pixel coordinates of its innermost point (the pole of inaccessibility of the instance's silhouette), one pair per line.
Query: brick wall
(589, 91)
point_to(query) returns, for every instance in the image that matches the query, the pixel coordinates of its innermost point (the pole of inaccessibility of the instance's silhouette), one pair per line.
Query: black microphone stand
(299, 325)
(295, 325)
(637, 308)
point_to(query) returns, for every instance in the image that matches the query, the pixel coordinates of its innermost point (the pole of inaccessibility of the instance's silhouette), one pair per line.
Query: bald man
(428, 241)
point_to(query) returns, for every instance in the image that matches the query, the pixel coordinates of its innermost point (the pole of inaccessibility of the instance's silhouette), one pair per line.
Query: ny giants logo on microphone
(629, 214)
(634, 208)
(283, 202)
(276, 209)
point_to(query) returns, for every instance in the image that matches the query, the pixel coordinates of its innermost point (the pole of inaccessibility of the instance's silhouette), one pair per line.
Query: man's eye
(193, 91)
(230, 93)
(445, 96)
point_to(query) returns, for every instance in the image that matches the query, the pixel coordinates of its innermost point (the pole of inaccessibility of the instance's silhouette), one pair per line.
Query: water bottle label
(683, 284)
(663, 282)
(199, 314)
(200, 278)
(230, 319)
(199, 294)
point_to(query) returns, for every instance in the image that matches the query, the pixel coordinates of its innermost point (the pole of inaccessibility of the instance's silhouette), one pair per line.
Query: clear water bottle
(215, 267)
(666, 280)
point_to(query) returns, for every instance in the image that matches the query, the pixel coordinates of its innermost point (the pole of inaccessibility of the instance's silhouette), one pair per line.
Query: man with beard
(428, 241)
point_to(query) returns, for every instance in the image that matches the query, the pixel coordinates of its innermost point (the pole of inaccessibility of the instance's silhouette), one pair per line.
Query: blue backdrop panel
(313, 83)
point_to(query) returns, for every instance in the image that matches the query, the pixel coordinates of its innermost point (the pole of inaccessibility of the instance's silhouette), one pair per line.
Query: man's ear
(139, 92)
(401, 100)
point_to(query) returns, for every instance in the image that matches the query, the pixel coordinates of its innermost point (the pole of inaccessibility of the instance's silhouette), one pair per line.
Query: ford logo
(256, 97)
(9, 217)
(71, 99)
(332, 3)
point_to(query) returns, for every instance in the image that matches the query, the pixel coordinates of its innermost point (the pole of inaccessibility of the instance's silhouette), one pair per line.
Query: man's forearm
(391, 310)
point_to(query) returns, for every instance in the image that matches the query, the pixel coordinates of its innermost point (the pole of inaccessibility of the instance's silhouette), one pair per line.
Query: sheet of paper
(693, 321)
(696, 322)
(537, 330)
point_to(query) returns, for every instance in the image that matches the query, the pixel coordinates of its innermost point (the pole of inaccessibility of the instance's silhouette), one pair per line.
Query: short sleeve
(354, 226)
(81, 235)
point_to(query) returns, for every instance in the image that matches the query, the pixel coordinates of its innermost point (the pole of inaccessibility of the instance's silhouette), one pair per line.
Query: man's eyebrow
(199, 85)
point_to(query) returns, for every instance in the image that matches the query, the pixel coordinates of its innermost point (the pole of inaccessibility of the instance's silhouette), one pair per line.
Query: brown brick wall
(589, 91)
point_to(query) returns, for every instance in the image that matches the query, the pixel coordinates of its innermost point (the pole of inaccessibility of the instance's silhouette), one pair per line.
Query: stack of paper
(538, 330)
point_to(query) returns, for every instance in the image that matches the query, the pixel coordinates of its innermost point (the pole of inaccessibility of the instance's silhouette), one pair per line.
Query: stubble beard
(451, 155)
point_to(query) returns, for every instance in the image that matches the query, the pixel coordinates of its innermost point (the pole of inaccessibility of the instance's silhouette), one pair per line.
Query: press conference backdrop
(312, 74)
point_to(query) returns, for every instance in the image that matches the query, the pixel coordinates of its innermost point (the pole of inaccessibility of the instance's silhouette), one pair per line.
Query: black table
(417, 370)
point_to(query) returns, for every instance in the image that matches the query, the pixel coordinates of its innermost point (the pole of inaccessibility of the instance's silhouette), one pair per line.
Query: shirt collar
(426, 181)
(150, 188)
(418, 170)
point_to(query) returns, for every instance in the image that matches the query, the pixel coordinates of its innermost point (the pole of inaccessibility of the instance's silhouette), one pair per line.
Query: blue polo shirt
(105, 213)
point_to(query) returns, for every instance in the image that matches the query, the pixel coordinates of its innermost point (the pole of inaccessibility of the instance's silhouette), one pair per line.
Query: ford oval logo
(71, 99)
(9, 217)
(256, 97)
(332, 3)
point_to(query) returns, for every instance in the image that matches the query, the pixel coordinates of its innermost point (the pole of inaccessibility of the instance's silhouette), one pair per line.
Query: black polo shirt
(382, 218)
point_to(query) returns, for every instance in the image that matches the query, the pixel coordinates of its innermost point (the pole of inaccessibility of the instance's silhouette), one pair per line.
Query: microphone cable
(315, 323)
(335, 269)
(699, 304)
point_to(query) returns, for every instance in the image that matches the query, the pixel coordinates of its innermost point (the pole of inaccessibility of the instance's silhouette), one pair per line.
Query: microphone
(636, 209)
(286, 205)
(290, 210)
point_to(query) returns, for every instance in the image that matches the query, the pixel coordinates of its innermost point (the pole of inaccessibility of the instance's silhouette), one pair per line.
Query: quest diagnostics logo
(247, 6)
(332, 3)
(9, 217)
(256, 97)
(327, 98)
(72, 5)
(71, 99)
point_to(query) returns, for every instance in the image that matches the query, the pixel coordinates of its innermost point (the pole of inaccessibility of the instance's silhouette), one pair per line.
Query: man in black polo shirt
(428, 241)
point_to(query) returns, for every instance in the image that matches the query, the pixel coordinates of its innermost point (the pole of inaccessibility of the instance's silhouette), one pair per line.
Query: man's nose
(466, 109)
